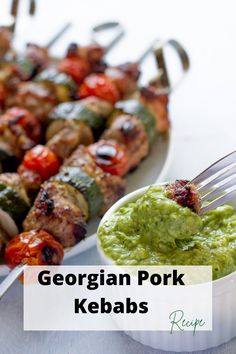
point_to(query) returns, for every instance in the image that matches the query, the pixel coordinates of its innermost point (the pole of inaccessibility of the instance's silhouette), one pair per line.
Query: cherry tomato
(26, 120)
(36, 247)
(101, 86)
(77, 68)
(110, 156)
(41, 160)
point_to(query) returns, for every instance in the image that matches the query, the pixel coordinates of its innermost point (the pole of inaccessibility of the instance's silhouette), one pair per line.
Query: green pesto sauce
(155, 230)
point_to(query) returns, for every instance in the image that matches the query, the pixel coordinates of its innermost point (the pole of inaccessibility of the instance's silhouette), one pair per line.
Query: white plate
(151, 170)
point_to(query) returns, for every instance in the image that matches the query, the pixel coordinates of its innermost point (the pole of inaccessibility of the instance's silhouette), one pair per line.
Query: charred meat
(112, 187)
(184, 194)
(157, 103)
(130, 132)
(56, 211)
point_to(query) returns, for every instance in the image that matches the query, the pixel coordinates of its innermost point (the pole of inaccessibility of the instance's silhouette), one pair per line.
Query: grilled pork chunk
(61, 210)
(184, 194)
(130, 132)
(34, 97)
(157, 103)
(67, 139)
(112, 187)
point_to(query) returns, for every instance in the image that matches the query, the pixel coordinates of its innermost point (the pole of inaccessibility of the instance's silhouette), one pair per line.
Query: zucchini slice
(137, 109)
(77, 111)
(63, 84)
(13, 209)
(13, 180)
(85, 184)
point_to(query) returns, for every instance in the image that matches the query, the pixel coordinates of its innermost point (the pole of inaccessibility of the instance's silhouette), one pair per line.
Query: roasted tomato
(22, 117)
(110, 157)
(42, 160)
(36, 247)
(101, 86)
(77, 68)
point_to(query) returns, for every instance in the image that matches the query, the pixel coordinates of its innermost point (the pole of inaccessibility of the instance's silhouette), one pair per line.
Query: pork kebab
(45, 80)
(60, 84)
(68, 81)
(72, 124)
(31, 103)
(91, 179)
(37, 98)
(20, 74)
(82, 73)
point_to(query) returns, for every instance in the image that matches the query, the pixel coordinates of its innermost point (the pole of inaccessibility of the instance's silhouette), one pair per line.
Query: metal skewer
(13, 275)
(10, 279)
(58, 35)
(14, 12)
(32, 7)
(107, 27)
(120, 32)
(148, 51)
(162, 80)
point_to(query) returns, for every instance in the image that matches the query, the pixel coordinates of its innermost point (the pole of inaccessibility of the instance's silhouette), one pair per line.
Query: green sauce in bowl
(155, 230)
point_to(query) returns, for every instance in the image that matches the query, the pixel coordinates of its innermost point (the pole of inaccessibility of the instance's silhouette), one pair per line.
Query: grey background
(203, 115)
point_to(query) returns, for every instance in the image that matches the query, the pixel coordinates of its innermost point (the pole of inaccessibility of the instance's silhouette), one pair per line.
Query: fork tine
(219, 189)
(219, 201)
(215, 167)
(223, 176)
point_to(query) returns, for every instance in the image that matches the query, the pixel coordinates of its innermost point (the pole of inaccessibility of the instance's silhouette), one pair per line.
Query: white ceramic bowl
(223, 307)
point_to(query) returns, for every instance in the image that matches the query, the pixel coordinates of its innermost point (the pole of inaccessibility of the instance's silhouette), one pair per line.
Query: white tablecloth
(202, 110)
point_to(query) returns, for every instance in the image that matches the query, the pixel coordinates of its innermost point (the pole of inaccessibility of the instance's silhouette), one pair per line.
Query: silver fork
(217, 184)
